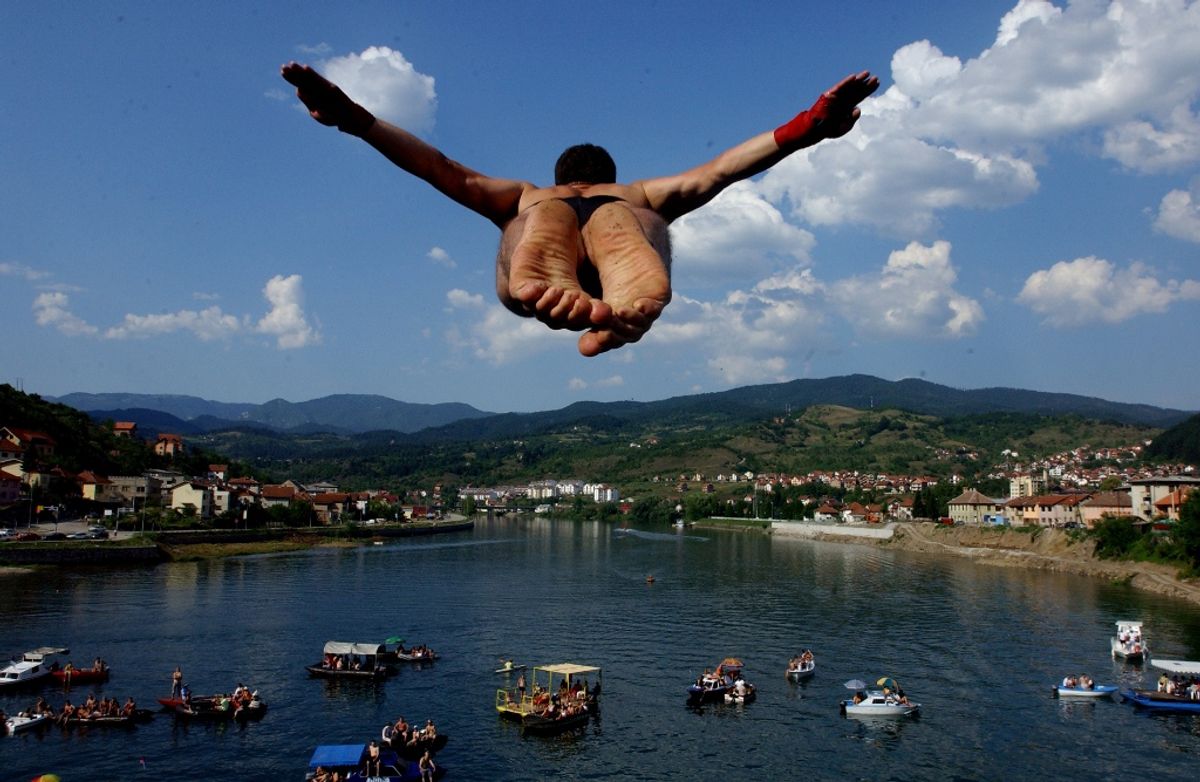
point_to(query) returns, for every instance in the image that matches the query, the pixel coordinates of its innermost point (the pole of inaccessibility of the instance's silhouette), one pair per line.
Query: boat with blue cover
(350, 763)
(1184, 675)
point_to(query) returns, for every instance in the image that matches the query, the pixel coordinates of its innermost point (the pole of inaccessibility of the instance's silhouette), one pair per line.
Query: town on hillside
(1055, 491)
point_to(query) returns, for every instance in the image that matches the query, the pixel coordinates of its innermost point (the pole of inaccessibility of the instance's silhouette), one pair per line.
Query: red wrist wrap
(801, 130)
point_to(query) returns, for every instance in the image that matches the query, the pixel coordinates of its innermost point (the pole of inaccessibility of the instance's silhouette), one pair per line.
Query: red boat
(69, 677)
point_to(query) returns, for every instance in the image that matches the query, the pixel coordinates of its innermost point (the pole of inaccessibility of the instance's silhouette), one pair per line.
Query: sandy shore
(1047, 549)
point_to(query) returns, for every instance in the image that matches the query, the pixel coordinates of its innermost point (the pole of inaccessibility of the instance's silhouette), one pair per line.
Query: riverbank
(191, 545)
(1056, 550)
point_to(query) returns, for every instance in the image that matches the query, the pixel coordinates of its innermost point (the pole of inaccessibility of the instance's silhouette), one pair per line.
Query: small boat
(32, 667)
(138, 717)
(1164, 701)
(802, 666)
(70, 676)
(350, 761)
(874, 703)
(746, 694)
(1129, 644)
(650, 579)
(1096, 691)
(347, 660)
(509, 666)
(1161, 701)
(417, 654)
(20, 723)
(559, 698)
(712, 685)
(218, 709)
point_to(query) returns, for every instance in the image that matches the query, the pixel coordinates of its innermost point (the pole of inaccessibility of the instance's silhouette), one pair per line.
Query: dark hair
(587, 164)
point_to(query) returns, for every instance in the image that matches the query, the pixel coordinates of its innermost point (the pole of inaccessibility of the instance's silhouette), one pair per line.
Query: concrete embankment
(1057, 550)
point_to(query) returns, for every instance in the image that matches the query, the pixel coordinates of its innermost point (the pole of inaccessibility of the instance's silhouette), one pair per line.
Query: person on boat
(320, 775)
(859, 697)
(1162, 682)
(400, 732)
(385, 735)
(1069, 682)
(98, 665)
(185, 694)
(427, 767)
(521, 685)
(129, 708)
(429, 732)
(373, 762)
(177, 682)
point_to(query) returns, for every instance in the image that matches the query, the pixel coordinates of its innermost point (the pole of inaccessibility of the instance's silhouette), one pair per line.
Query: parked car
(27, 535)
(82, 535)
(55, 536)
(7, 534)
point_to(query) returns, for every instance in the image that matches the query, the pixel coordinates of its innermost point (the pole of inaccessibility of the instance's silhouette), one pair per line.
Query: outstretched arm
(496, 199)
(833, 115)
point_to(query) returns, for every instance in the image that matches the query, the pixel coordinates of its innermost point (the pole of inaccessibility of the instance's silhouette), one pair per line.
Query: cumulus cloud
(53, 310)
(1179, 214)
(1087, 290)
(969, 134)
(207, 324)
(1141, 146)
(386, 84)
(579, 384)
(737, 233)
(460, 299)
(912, 296)
(442, 258)
(27, 273)
(286, 320)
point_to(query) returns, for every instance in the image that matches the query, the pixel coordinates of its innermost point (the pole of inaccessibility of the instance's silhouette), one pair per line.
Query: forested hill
(355, 413)
(861, 392)
(1178, 444)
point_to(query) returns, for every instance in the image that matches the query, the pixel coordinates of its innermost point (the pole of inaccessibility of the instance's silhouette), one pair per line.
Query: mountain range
(357, 413)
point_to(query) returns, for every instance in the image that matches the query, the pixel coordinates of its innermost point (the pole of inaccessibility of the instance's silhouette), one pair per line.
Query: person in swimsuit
(588, 253)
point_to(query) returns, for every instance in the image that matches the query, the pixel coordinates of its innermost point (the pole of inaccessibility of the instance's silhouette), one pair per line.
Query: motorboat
(884, 700)
(32, 667)
(802, 666)
(1129, 644)
(712, 685)
(874, 703)
(347, 660)
(741, 692)
(1160, 700)
(219, 710)
(20, 723)
(350, 762)
(138, 717)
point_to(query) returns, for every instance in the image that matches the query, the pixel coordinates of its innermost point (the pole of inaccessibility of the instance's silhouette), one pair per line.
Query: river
(979, 647)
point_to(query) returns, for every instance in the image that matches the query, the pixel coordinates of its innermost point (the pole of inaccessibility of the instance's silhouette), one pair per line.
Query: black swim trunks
(586, 206)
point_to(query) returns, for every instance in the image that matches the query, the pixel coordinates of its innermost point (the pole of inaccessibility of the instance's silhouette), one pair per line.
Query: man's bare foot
(543, 270)
(633, 274)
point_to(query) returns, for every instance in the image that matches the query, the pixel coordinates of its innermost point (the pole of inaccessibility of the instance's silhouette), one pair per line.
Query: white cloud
(53, 309)
(1179, 214)
(736, 234)
(576, 384)
(386, 84)
(612, 381)
(912, 296)
(463, 300)
(1141, 146)
(1086, 290)
(207, 324)
(27, 273)
(969, 134)
(286, 319)
(441, 257)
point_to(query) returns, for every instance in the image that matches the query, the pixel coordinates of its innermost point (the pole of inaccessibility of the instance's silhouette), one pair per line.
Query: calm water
(979, 647)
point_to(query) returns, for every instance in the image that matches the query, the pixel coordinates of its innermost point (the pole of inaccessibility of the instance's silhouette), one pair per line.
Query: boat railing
(514, 702)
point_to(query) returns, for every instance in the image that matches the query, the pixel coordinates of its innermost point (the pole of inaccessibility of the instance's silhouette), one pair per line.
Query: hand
(831, 116)
(326, 102)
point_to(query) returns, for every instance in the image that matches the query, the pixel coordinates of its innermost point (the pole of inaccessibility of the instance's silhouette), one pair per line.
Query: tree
(1115, 536)
(1186, 531)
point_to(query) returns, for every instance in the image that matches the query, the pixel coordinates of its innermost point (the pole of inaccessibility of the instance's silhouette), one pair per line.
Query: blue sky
(1019, 205)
